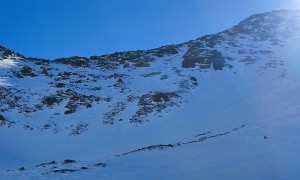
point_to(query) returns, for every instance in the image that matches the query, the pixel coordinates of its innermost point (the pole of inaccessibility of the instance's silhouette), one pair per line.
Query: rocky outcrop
(2, 118)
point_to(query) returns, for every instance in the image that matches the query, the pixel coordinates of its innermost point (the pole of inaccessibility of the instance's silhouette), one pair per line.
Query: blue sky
(62, 28)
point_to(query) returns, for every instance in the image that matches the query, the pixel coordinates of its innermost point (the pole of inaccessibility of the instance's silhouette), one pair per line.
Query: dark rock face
(217, 59)
(21, 169)
(201, 53)
(2, 118)
(204, 58)
(50, 100)
(37, 61)
(135, 59)
(164, 51)
(210, 41)
(7, 52)
(2, 48)
(75, 61)
(74, 100)
(68, 161)
(45, 72)
(27, 71)
(126, 59)
(163, 97)
(60, 85)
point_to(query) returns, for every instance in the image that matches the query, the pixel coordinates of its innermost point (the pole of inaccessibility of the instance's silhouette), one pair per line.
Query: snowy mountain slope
(234, 95)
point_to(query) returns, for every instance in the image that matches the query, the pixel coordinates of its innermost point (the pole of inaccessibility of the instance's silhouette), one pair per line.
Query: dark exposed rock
(50, 100)
(150, 148)
(2, 118)
(21, 169)
(66, 75)
(218, 61)
(44, 164)
(37, 61)
(257, 26)
(18, 75)
(192, 78)
(76, 100)
(150, 74)
(45, 72)
(131, 98)
(27, 71)
(112, 61)
(79, 129)
(75, 61)
(211, 40)
(27, 127)
(163, 77)
(109, 116)
(144, 62)
(104, 63)
(60, 85)
(164, 51)
(96, 89)
(116, 76)
(7, 53)
(203, 53)
(68, 161)
(204, 58)
(154, 102)
(5, 122)
(163, 97)
(53, 126)
(64, 171)
(100, 165)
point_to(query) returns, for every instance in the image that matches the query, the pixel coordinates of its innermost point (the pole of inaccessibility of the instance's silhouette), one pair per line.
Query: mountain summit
(228, 100)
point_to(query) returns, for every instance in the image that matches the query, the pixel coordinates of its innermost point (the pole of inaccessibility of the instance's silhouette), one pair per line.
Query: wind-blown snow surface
(224, 106)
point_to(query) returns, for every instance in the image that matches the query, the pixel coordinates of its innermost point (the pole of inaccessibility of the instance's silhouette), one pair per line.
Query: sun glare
(296, 4)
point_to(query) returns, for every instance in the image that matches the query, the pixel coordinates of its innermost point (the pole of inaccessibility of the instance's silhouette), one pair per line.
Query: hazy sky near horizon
(62, 28)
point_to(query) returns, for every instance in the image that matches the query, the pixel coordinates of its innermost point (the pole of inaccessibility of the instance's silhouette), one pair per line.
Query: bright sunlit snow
(7, 63)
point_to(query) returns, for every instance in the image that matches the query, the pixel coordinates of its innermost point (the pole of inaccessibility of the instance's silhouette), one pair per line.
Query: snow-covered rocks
(224, 91)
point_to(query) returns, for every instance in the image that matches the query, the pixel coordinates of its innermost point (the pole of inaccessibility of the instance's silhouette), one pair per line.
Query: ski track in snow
(71, 166)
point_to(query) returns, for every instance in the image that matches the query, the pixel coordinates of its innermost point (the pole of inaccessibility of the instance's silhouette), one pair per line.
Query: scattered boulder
(21, 169)
(100, 165)
(2, 118)
(68, 161)
(60, 85)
